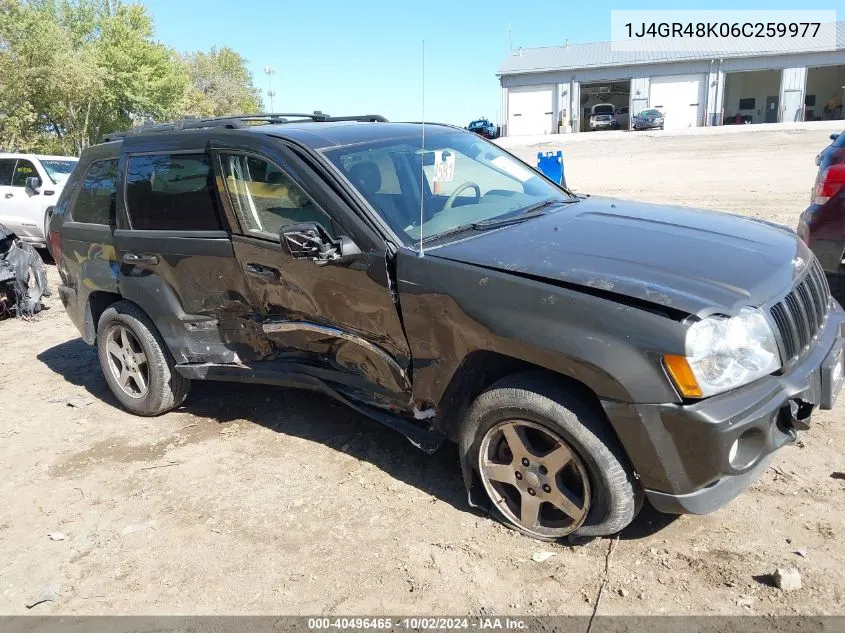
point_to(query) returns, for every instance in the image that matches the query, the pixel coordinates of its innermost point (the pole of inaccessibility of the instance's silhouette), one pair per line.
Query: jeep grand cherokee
(583, 352)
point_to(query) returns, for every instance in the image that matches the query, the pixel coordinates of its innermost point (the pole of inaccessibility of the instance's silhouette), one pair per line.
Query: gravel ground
(258, 500)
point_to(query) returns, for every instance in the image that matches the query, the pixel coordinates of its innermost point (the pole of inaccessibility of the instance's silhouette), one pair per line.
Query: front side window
(95, 201)
(23, 170)
(265, 199)
(171, 192)
(465, 180)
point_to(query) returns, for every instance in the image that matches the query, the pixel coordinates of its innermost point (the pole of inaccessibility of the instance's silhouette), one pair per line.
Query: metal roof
(599, 54)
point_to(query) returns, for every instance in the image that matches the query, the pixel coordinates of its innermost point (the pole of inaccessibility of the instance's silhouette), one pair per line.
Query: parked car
(603, 117)
(484, 128)
(583, 352)
(29, 185)
(822, 224)
(649, 120)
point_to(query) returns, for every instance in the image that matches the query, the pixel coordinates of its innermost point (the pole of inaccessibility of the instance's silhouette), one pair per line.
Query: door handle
(263, 272)
(9, 195)
(132, 258)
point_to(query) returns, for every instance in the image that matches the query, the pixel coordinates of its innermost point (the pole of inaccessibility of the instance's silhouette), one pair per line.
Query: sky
(366, 56)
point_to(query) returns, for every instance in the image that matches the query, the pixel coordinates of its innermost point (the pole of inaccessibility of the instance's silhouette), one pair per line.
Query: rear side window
(23, 170)
(7, 168)
(95, 201)
(171, 192)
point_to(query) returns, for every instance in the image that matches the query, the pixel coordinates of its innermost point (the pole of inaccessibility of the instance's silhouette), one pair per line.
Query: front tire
(548, 460)
(136, 364)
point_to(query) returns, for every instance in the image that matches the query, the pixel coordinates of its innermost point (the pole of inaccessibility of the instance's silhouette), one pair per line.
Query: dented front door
(334, 321)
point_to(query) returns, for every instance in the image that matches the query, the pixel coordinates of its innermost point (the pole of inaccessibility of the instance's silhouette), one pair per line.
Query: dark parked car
(484, 128)
(822, 225)
(649, 120)
(582, 352)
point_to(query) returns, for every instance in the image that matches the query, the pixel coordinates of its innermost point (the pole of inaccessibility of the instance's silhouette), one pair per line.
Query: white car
(603, 117)
(29, 184)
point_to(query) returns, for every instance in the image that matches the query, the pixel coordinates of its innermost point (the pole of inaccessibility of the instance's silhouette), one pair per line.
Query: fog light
(746, 449)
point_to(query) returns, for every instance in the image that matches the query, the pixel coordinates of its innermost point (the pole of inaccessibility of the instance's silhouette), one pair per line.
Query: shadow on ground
(293, 412)
(316, 418)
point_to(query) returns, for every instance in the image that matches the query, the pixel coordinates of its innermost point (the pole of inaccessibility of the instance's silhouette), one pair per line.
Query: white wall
(824, 83)
(757, 85)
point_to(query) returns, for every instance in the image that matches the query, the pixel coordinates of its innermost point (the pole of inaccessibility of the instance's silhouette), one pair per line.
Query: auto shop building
(551, 89)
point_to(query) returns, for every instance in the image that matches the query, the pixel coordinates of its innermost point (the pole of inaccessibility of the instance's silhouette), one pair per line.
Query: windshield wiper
(531, 211)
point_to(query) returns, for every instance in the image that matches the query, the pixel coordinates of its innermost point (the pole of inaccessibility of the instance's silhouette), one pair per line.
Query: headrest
(366, 176)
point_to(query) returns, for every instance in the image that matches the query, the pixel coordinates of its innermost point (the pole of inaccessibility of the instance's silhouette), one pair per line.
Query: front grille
(801, 315)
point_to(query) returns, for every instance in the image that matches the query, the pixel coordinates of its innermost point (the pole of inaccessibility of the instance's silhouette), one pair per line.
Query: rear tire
(549, 412)
(136, 364)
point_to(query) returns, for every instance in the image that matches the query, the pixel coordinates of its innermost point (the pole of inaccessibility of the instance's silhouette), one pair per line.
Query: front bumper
(695, 458)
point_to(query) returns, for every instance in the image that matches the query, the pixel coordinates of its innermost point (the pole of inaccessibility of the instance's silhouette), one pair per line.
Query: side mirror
(348, 248)
(309, 240)
(33, 183)
(833, 137)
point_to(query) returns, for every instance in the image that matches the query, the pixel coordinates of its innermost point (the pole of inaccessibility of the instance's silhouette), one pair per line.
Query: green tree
(73, 70)
(221, 84)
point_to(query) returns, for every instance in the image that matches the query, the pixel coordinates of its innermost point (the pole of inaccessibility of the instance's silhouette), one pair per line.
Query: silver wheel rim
(127, 361)
(534, 478)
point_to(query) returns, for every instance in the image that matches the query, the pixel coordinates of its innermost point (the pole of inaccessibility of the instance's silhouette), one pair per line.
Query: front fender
(451, 310)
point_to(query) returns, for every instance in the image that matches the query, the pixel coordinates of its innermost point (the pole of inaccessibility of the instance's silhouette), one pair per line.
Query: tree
(221, 84)
(74, 70)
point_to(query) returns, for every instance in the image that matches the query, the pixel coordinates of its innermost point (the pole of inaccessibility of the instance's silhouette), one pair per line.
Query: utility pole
(270, 71)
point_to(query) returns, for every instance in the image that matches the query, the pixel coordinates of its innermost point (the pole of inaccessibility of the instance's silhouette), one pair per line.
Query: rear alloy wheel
(534, 478)
(136, 363)
(127, 362)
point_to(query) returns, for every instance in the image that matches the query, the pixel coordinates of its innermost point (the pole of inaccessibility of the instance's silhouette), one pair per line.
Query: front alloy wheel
(535, 478)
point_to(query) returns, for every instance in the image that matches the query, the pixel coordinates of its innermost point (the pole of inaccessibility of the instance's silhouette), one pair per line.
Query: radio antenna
(422, 156)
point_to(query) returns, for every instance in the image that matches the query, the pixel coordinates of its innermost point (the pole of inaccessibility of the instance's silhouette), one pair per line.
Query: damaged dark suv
(583, 352)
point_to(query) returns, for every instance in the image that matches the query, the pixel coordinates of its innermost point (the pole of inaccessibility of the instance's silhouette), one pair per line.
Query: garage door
(680, 98)
(530, 110)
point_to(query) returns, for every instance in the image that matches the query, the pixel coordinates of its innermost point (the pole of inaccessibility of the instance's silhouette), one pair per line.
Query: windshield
(58, 170)
(466, 180)
(650, 113)
(603, 109)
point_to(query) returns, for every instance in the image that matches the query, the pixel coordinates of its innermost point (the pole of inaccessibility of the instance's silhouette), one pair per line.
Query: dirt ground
(251, 499)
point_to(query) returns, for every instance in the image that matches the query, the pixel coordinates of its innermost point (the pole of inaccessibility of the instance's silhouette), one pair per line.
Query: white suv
(29, 184)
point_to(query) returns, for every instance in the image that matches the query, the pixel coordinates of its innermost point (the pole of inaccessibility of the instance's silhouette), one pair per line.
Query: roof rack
(239, 121)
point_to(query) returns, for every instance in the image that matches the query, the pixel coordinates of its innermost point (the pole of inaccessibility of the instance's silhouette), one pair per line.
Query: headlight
(724, 353)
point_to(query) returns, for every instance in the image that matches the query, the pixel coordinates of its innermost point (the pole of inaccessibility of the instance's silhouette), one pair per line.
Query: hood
(695, 261)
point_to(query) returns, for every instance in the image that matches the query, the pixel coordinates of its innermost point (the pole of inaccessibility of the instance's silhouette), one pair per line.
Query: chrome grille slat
(800, 316)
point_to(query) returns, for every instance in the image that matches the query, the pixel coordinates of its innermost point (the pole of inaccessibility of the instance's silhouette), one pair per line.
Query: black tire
(615, 496)
(166, 389)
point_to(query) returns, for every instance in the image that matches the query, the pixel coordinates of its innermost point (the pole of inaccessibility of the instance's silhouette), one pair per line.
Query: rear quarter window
(172, 192)
(95, 202)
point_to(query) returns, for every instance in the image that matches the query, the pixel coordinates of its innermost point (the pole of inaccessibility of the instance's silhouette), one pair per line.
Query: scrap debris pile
(23, 278)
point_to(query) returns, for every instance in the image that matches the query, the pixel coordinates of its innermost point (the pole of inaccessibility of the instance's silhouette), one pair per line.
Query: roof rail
(238, 121)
